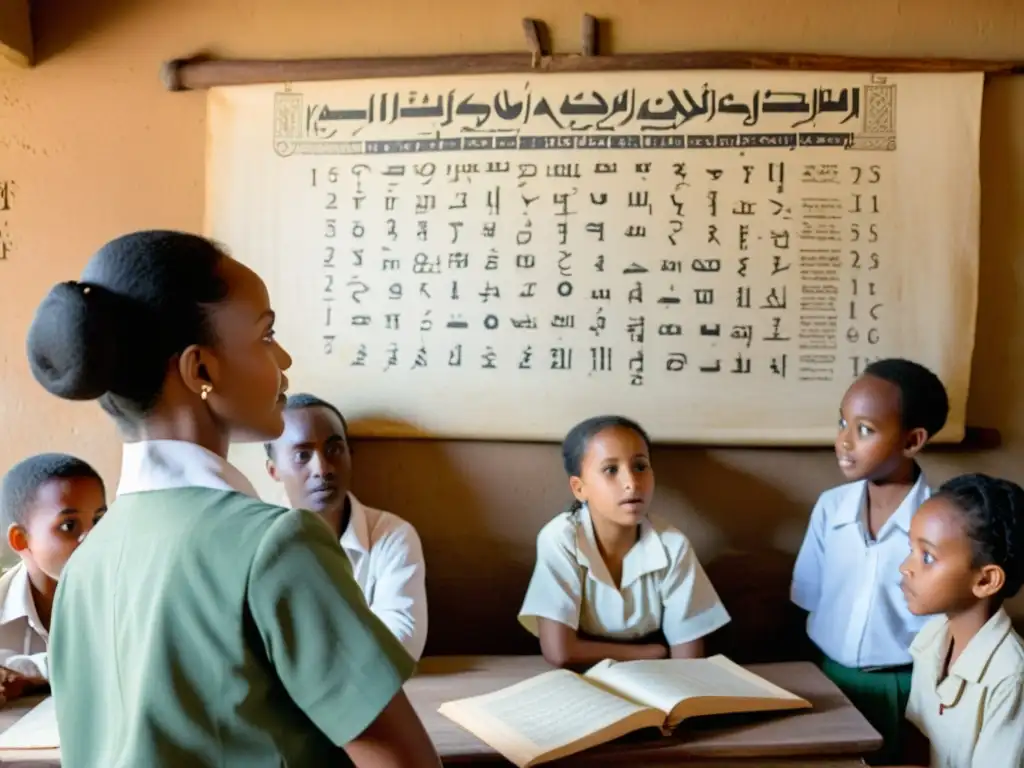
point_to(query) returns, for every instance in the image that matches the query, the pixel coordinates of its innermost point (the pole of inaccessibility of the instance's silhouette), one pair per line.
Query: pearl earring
(205, 391)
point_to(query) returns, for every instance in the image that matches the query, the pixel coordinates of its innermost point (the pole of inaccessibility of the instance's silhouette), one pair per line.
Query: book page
(36, 730)
(551, 715)
(664, 684)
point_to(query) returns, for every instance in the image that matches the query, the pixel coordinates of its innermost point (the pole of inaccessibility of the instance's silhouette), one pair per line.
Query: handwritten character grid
(651, 261)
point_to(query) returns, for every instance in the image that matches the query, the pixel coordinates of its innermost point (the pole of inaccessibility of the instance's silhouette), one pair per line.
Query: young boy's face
(871, 442)
(60, 516)
(938, 575)
(312, 459)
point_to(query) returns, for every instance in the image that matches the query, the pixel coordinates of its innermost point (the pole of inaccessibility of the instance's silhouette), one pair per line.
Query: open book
(560, 713)
(36, 730)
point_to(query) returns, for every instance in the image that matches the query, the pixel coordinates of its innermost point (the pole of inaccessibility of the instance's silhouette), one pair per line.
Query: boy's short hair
(924, 403)
(306, 400)
(24, 479)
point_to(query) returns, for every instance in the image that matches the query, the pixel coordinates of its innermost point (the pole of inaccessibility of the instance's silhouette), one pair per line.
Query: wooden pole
(202, 72)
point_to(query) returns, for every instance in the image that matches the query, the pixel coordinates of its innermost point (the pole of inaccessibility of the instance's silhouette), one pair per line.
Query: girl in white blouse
(609, 582)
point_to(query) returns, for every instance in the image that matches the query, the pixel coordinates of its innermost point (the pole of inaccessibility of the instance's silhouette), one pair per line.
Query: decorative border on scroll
(878, 126)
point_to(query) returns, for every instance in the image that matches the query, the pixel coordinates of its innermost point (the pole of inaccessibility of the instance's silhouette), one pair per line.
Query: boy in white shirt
(50, 502)
(847, 572)
(313, 460)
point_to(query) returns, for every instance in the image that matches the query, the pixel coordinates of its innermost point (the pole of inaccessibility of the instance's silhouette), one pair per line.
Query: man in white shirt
(313, 461)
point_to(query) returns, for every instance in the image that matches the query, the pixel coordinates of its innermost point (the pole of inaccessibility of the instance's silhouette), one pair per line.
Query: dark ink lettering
(490, 292)
(489, 359)
(456, 228)
(635, 329)
(775, 300)
(600, 359)
(563, 321)
(675, 362)
(455, 356)
(457, 323)
(526, 358)
(392, 356)
(359, 360)
(704, 295)
(561, 358)
(636, 368)
(422, 264)
(778, 366)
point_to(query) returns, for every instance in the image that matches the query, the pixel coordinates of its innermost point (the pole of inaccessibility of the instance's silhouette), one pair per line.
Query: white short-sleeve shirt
(850, 584)
(23, 638)
(974, 716)
(384, 550)
(387, 562)
(663, 585)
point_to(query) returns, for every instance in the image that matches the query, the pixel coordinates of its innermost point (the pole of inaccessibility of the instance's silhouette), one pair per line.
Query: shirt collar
(18, 602)
(973, 661)
(160, 465)
(855, 502)
(646, 556)
(356, 536)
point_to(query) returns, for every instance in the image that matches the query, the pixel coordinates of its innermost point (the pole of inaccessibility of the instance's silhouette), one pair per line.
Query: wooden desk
(832, 734)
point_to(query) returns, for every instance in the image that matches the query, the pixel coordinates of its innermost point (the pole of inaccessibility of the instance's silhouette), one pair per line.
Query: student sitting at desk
(847, 572)
(50, 502)
(610, 582)
(313, 460)
(199, 625)
(966, 559)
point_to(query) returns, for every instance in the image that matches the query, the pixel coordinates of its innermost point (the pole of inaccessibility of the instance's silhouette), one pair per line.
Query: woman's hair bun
(72, 342)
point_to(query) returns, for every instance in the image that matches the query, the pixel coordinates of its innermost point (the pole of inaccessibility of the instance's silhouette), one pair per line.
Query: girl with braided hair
(966, 559)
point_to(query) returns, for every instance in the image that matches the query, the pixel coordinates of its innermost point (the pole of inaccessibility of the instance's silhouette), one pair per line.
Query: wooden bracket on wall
(589, 33)
(16, 45)
(537, 41)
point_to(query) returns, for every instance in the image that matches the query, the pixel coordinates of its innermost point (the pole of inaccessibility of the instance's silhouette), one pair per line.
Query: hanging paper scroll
(716, 254)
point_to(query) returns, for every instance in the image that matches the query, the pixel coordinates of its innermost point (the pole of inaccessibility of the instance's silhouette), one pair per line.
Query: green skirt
(881, 696)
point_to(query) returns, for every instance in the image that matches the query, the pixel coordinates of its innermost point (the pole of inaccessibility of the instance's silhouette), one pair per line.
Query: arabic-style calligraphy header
(505, 112)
